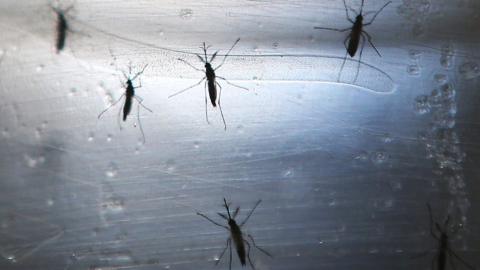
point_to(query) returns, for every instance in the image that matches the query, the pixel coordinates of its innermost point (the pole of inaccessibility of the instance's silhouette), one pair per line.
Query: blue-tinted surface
(344, 171)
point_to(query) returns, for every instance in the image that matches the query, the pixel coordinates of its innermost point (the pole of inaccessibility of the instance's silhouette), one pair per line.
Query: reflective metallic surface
(344, 170)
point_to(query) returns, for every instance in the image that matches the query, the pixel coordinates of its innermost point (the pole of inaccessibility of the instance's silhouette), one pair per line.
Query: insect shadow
(61, 27)
(210, 78)
(443, 252)
(129, 95)
(356, 35)
(236, 235)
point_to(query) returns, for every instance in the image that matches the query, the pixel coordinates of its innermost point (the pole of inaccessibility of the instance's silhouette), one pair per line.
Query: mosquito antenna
(251, 212)
(361, 7)
(140, 72)
(205, 52)
(226, 207)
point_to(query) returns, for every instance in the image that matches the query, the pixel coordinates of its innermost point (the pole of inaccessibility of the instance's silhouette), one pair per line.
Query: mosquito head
(130, 90)
(208, 66)
(359, 18)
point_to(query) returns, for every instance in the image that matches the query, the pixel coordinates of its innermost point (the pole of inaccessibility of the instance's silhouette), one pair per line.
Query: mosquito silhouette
(444, 251)
(356, 34)
(236, 235)
(210, 78)
(61, 27)
(129, 96)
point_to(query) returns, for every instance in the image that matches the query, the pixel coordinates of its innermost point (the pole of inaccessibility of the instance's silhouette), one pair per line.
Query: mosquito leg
(341, 68)
(140, 102)
(207, 218)
(190, 65)
(138, 73)
(220, 105)
(346, 12)
(223, 252)
(118, 118)
(249, 214)
(230, 260)
(206, 102)
(431, 222)
(140, 123)
(188, 88)
(232, 84)
(331, 29)
(452, 253)
(369, 38)
(452, 263)
(237, 210)
(226, 55)
(248, 254)
(259, 248)
(113, 104)
(376, 14)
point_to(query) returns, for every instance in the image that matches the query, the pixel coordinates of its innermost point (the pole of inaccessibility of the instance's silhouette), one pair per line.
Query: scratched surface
(344, 170)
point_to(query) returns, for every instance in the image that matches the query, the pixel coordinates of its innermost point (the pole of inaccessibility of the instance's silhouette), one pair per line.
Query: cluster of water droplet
(415, 11)
(441, 141)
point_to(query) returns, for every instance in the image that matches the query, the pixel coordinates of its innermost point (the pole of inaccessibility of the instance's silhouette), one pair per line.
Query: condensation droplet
(440, 78)
(39, 68)
(186, 13)
(72, 92)
(386, 138)
(275, 45)
(422, 104)
(5, 133)
(362, 156)
(50, 202)
(196, 144)
(109, 137)
(112, 170)
(379, 157)
(240, 129)
(170, 165)
(413, 70)
(11, 258)
(115, 204)
(91, 137)
(469, 70)
(414, 54)
(288, 172)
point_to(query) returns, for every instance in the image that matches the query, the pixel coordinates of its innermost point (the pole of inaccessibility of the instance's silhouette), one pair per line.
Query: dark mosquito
(129, 96)
(356, 33)
(211, 80)
(62, 27)
(236, 235)
(444, 251)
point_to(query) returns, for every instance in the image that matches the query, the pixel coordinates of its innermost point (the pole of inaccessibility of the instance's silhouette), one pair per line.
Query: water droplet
(50, 202)
(386, 138)
(5, 133)
(288, 173)
(275, 45)
(422, 104)
(196, 144)
(73, 91)
(216, 258)
(448, 91)
(469, 70)
(413, 70)
(414, 54)
(362, 156)
(33, 162)
(379, 157)
(240, 129)
(39, 68)
(137, 150)
(186, 13)
(373, 251)
(440, 78)
(11, 258)
(109, 137)
(38, 132)
(112, 170)
(114, 204)
(170, 165)
(91, 137)
(332, 202)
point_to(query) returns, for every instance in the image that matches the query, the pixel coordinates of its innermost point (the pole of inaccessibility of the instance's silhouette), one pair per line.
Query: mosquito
(62, 27)
(356, 33)
(129, 96)
(210, 78)
(236, 235)
(444, 251)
